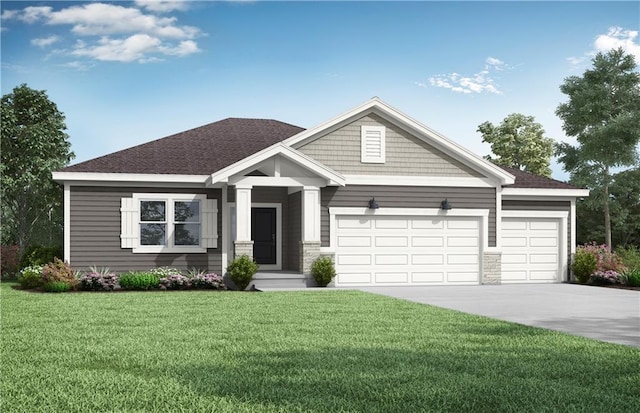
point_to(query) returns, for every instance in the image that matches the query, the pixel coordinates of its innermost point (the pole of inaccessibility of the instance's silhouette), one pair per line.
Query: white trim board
(93, 178)
(530, 193)
(403, 180)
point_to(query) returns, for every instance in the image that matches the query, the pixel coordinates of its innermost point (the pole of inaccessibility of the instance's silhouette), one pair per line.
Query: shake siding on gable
(95, 233)
(407, 197)
(405, 153)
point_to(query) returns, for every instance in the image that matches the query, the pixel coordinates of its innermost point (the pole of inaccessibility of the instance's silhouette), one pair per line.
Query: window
(169, 223)
(372, 139)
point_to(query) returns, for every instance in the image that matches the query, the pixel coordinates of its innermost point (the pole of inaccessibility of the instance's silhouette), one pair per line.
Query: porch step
(281, 279)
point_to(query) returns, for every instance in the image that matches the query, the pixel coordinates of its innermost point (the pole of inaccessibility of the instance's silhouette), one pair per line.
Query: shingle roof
(210, 148)
(529, 180)
(200, 151)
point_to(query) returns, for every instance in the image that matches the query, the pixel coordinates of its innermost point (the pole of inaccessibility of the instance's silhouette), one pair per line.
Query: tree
(602, 114)
(519, 142)
(34, 143)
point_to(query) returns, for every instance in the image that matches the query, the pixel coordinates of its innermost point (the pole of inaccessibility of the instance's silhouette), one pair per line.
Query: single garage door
(530, 250)
(390, 250)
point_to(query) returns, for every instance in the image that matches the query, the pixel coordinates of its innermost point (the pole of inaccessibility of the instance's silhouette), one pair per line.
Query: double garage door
(389, 250)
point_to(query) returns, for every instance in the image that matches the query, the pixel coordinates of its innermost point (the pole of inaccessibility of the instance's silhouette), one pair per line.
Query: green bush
(241, 271)
(57, 287)
(59, 270)
(31, 277)
(323, 270)
(584, 264)
(630, 256)
(139, 281)
(632, 277)
(40, 255)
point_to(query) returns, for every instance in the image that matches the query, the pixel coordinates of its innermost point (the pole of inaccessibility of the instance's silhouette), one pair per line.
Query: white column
(310, 214)
(66, 205)
(573, 226)
(243, 212)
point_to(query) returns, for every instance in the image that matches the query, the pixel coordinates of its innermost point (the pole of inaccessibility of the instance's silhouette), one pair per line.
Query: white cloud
(45, 41)
(77, 65)
(481, 82)
(161, 6)
(111, 32)
(617, 37)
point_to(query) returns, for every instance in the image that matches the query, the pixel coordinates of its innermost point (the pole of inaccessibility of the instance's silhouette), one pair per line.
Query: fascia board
(510, 193)
(96, 177)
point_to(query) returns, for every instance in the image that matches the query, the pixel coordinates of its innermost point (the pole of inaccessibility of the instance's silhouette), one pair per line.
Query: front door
(263, 234)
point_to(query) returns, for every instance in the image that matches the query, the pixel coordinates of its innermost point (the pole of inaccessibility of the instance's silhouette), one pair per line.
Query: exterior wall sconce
(373, 204)
(444, 205)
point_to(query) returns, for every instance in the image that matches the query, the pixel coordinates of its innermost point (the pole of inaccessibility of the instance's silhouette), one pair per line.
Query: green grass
(327, 351)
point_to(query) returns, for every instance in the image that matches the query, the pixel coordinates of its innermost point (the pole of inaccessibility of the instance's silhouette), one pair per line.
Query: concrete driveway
(605, 314)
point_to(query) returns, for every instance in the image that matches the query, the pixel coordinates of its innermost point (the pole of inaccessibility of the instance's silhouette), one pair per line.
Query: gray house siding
(521, 205)
(95, 233)
(407, 197)
(405, 153)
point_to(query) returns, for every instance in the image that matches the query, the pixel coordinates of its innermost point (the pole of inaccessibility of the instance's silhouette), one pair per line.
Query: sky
(128, 72)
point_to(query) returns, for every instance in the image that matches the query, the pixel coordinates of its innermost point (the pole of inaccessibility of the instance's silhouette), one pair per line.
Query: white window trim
(364, 130)
(169, 248)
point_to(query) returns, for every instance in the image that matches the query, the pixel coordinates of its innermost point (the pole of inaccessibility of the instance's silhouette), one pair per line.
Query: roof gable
(199, 151)
(433, 138)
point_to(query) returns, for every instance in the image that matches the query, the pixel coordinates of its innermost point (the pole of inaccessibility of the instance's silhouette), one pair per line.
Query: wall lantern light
(373, 204)
(444, 205)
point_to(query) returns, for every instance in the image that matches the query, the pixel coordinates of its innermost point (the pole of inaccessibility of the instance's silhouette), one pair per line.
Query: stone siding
(492, 268)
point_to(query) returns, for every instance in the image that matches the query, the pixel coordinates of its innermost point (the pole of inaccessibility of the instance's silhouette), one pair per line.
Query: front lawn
(316, 351)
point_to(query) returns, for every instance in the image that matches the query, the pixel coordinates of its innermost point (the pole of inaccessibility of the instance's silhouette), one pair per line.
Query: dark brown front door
(263, 234)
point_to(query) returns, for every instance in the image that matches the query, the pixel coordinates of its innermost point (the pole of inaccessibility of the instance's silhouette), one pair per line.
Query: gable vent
(372, 144)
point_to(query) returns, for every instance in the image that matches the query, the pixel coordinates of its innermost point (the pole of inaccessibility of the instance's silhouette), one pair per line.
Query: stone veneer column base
(242, 248)
(492, 268)
(309, 252)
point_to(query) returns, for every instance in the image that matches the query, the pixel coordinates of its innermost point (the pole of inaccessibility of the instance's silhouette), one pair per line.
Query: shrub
(99, 281)
(630, 256)
(323, 270)
(40, 255)
(632, 277)
(162, 272)
(59, 270)
(9, 261)
(139, 281)
(241, 271)
(57, 287)
(606, 260)
(605, 277)
(31, 277)
(208, 281)
(584, 264)
(175, 282)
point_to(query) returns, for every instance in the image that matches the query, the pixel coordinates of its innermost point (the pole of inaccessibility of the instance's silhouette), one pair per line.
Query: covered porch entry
(271, 211)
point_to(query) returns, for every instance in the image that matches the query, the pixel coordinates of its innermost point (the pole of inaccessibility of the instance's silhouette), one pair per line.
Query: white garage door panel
(407, 250)
(530, 250)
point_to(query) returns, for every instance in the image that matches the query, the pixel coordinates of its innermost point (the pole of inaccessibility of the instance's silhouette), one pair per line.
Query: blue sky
(126, 73)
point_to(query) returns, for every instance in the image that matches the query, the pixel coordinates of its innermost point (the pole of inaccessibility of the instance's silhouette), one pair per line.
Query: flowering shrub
(59, 270)
(605, 277)
(163, 272)
(175, 282)
(9, 260)
(95, 281)
(606, 260)
(208, 281)
(31, 277)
